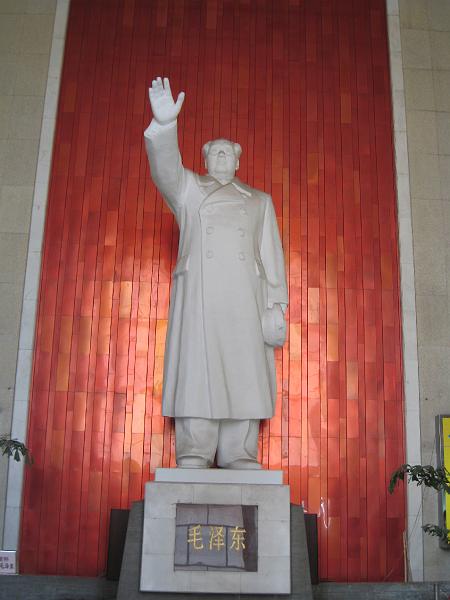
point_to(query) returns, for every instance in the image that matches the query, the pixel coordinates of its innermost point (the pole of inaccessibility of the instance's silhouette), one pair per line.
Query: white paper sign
(8, 562)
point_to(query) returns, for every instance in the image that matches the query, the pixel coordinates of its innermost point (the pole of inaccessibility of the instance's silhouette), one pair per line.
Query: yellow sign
(446, 448)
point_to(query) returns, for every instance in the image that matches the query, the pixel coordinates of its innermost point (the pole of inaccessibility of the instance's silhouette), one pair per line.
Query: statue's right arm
(161, 142)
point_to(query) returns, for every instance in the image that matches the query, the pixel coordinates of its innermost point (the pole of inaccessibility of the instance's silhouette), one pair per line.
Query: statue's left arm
(273, 259)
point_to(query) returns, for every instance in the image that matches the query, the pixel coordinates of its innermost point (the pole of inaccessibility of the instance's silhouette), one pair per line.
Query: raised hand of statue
(164, 109)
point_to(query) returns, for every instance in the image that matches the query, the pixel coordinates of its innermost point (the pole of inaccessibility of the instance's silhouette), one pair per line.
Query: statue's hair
(236, 147)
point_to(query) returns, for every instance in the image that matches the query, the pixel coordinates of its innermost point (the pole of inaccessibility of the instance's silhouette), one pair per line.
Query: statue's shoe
(193, 462)
(242, 463)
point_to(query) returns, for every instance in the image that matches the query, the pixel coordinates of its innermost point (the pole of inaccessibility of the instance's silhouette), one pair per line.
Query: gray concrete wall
(26, 28)
(425, 41)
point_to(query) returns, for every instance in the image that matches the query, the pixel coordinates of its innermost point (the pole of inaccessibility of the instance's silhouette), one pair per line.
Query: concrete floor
(33, 587)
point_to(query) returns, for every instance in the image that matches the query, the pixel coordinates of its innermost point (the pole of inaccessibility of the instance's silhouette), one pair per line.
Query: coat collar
(234, 190)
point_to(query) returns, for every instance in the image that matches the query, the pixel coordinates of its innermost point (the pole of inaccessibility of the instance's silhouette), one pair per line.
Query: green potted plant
(437, 478)
(11, 447)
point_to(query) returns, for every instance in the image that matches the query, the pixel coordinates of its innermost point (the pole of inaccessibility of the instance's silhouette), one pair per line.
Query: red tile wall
(304, 87)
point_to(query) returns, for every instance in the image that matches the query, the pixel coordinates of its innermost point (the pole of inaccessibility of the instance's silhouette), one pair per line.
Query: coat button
(241, 232)
(241, 256)
(210, 254)
(243, 211)
(209, 229)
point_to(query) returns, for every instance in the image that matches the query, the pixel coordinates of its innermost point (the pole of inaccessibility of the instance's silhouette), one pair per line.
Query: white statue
(227, 301)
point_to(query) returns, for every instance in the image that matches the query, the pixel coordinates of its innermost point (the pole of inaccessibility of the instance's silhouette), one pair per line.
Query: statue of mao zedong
(227, 299)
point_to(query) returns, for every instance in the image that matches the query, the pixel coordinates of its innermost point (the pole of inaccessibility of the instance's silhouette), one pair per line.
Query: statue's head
(222, 158)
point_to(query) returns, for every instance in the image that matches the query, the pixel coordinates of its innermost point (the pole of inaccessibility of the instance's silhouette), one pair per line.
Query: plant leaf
(441, 532)
(437, 478)
(13, 448)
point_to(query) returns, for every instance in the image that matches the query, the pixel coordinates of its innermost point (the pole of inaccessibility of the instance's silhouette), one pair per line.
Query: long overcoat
(230, 269)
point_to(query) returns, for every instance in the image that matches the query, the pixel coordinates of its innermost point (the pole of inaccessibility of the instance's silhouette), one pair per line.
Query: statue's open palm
(164, 109)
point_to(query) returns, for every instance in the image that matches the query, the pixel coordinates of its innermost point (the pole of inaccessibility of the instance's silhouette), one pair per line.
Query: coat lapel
(213, 191)
(207, 185)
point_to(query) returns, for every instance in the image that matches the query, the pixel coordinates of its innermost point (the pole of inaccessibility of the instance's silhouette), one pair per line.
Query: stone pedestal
(281, 568)
(209, 557)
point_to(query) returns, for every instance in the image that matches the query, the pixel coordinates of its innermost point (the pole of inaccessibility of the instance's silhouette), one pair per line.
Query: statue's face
(221, 160)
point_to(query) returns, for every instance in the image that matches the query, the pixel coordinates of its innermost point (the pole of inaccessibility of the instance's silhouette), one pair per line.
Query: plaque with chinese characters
(216, 537)
(8, 562)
